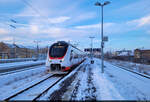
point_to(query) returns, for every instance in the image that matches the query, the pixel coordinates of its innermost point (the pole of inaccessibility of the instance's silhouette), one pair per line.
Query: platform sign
(105, 38)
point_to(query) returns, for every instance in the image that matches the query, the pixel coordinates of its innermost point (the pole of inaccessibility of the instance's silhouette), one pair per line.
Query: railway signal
(91, 55)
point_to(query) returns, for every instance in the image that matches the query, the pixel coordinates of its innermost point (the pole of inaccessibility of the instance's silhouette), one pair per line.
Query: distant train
(62, 56)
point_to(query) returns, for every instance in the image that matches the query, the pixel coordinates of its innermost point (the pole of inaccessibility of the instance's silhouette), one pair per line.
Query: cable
(27, 3)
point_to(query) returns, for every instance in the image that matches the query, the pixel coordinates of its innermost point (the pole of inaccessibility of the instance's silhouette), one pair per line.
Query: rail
(146, 76)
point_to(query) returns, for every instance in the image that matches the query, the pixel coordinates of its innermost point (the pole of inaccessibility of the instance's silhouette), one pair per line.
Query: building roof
(125, 53)
(143, 50)
(17, 46)
(10, 45)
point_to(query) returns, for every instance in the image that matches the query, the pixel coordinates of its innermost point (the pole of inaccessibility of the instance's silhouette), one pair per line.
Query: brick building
(142, 55)
(14, 51)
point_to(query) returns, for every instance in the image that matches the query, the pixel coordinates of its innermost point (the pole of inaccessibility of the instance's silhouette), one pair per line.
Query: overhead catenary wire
(37, 11)
(33, 8)
(18, 23)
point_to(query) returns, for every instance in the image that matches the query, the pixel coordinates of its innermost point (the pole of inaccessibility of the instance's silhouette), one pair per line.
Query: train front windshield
(58, 50)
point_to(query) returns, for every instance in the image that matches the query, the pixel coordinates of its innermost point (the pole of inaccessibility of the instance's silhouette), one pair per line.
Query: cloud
(7, 39)
(83, 16)
(109, 28)
(133, 9)
(148, 31)
(3, 31)
(70, 21)
(59, 19)
(122, 27)
(143, 21)
(95, 26)
(34, 29)
(27, 15)
(87, 26)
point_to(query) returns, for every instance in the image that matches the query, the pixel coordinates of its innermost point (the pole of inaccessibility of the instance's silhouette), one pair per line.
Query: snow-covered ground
(35, 91)
(3, 65)
(141, 68)
(12, 82)
(86, 82)
(16, 60)
(19, 65)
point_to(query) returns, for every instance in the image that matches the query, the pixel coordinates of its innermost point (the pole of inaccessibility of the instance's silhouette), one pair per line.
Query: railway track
(29, 92)
(146, 76)
(18, 67)
(33, 92)
(19, 70)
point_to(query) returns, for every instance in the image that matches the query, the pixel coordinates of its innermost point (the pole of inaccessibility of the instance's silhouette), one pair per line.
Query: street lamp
(14, 27)
(102, 40)
(37, 42)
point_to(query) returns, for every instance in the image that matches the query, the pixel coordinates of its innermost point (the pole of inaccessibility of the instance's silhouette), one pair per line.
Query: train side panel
(72, 57)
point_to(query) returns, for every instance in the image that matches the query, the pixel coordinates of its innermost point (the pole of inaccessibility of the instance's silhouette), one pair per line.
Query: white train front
(62, 56)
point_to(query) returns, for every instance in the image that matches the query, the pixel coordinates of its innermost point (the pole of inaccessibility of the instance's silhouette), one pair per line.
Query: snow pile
(141, 68)
(16, 60)
(130, 85)
(19, 65)
(105, 89)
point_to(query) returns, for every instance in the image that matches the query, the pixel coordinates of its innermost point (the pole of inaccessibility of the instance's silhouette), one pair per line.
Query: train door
(71, 57)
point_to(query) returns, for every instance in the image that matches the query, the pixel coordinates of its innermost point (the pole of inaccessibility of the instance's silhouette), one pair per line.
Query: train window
(59, 46)
(58, 50)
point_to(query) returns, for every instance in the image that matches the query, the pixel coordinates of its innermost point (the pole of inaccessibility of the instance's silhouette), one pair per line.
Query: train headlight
(50, 60)
(62, 60)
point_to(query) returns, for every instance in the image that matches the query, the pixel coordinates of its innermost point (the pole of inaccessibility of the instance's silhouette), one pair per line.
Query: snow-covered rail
(143, 75)
(4, 69)
(20, 70)
(16, 60)
(35, 90)
(33, 86)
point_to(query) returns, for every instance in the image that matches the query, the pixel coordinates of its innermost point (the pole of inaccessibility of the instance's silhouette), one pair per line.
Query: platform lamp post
(14, 27)
(37, 42)
(102, 40)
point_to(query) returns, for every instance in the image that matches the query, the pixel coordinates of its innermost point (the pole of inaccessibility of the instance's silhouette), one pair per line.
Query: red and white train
(62, 56)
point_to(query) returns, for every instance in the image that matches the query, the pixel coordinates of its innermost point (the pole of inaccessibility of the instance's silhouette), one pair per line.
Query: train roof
(64, 42)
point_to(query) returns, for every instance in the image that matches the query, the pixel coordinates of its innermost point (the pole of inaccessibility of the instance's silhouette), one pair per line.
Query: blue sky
(126, 22)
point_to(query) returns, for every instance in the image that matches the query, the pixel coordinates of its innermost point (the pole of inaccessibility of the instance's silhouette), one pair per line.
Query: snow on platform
(88, 83)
